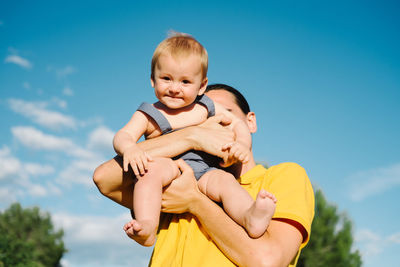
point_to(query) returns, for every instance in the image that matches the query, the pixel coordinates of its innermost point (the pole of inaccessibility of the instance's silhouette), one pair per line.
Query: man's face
(228, 101)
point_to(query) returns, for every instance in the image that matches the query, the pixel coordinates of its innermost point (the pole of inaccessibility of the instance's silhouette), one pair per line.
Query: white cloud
(7, 197)
(86, 229)
(26, 85)
(79, 172)
(99, 241)
(13, 50)
(369, 243)
(20, 61)
(372, 244)
(92, 122)
(59, 102)
(64, 72)
(394, 238)
(53, 189)
(16, 176)
(101, 138)
(374, 182)
(68, 91)
(4, 151)
(38, 112)
(366, 235)
(36, 139)
(37, 169)
(9, 166)
(37, 190)
(65, 263)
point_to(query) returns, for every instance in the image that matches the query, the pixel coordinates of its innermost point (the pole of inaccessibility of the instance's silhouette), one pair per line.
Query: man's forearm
(209, 137)
(169, 145)
(276, 247)
(230, 237)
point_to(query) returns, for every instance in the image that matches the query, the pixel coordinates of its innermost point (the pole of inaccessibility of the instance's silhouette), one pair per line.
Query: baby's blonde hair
(180, 44)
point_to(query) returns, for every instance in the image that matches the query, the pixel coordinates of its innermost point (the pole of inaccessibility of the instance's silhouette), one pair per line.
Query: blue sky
(322, 77)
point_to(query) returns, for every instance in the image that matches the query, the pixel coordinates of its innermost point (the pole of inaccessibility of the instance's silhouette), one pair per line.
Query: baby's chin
(175, 103)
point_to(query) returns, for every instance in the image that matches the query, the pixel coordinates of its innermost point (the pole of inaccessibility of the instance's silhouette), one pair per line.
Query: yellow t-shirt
(183, 242)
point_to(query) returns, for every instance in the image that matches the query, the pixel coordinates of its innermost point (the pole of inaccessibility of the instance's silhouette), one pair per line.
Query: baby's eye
(166, 78)
(186, 81)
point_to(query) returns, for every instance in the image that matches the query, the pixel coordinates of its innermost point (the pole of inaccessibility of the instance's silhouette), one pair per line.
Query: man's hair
(239, 98)
(180, 44)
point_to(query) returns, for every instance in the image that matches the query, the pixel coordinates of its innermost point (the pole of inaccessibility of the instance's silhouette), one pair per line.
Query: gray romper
(200, 162)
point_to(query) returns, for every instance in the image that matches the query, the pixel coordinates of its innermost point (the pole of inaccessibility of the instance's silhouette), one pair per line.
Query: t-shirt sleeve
(295, 196)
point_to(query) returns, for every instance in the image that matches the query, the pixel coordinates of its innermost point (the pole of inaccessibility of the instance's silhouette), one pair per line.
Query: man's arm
(193, 137)
(277, 247)
(117, 185)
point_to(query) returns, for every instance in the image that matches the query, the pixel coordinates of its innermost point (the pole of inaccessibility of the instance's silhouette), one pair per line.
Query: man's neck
(239, 168)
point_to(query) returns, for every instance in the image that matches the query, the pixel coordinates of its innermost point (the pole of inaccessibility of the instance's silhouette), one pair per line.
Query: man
(200, 233)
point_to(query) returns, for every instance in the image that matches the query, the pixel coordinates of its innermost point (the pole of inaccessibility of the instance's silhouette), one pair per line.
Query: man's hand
(182, 193)
(212, 135)
(137, 158)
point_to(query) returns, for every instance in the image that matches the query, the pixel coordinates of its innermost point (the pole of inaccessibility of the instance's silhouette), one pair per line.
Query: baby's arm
(125, 144)
(240, 150)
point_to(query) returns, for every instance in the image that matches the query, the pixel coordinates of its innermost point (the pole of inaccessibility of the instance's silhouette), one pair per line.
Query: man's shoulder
(287, 170)
(286, 166)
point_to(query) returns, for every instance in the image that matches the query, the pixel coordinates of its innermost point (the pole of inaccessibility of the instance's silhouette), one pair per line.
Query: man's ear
(203, 86)
(251, 121)
(152, 82)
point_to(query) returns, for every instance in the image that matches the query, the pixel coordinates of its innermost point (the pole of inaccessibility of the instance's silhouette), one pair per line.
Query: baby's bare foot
(260, 213)
(142, 232)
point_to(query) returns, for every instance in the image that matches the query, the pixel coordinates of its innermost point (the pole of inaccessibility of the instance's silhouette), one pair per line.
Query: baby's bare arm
(240, 149)
(130, 133)
(125, 144)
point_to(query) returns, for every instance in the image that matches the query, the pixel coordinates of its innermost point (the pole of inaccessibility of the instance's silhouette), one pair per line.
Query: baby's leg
(254, 216)
(147, 200)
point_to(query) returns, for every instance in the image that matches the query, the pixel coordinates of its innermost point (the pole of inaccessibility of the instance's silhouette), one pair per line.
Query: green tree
(331, 238)
(28, 238)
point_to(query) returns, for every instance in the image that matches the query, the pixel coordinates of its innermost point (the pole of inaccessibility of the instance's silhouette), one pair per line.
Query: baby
(179, 78)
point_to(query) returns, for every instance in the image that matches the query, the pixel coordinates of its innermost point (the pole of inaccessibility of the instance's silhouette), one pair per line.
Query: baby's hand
(137, 158)
(237, 152)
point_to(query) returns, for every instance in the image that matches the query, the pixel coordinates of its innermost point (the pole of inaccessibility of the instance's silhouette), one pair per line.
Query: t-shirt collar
(252, 174)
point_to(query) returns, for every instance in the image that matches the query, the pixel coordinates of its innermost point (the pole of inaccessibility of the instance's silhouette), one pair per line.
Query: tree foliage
(331, 238)
(28, 238)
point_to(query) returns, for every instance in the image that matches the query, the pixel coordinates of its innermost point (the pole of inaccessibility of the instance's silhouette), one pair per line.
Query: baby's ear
(152, 82)
(203, 86)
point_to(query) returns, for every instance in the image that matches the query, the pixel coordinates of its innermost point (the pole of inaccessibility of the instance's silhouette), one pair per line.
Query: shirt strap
(157, 116)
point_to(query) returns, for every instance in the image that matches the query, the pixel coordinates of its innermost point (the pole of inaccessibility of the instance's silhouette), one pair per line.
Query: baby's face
(178, 80)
